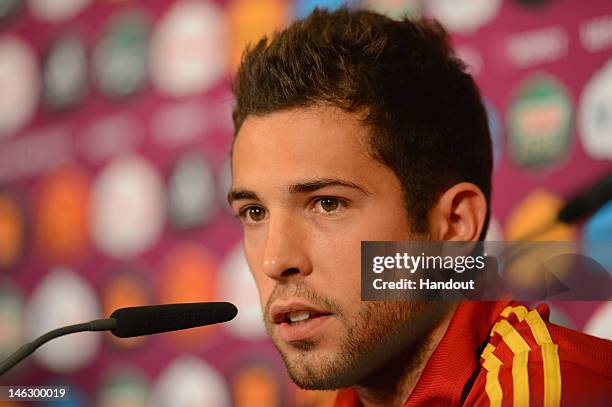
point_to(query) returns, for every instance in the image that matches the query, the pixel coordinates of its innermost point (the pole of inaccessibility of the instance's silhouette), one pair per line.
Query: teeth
(298, 316)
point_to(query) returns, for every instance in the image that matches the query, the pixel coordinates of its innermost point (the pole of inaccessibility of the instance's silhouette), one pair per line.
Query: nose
(285, 249)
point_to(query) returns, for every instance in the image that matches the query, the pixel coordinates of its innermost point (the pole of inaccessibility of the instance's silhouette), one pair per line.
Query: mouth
(298, 321)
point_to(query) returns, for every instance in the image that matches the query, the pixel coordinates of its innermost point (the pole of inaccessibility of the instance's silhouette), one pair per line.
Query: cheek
(264, 287)
(263, 283)
(337, 262)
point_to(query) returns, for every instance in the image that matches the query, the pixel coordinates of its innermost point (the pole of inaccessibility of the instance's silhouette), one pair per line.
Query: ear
(459, 214)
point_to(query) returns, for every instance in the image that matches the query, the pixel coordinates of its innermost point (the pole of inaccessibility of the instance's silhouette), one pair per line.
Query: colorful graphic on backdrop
(595, 114)
(63, 298)
(19, 81)
(539, 122)
(189, 48)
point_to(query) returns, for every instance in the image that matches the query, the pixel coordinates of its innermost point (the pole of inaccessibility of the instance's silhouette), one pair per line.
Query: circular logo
(464, 15)
(12, 230)
(191, 190)
(19, 81)
(189, 381)
(250, 20)
(56, 10)
(595, 114)
(539, 122)
(120, 58)
(65, 73)
(63, 298)
(61, 211)
(189, 48)
(237, 286)
(128, 207)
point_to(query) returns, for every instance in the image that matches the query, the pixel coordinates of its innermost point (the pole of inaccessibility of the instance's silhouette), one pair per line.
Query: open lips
(295, 314)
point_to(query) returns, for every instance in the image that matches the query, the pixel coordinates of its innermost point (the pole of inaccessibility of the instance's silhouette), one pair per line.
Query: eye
(252, 214)
(328, 204)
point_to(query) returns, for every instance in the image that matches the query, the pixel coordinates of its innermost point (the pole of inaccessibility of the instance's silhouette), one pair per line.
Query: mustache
(302, 291)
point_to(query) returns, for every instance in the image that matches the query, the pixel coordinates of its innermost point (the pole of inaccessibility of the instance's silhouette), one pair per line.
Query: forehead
(302, 144)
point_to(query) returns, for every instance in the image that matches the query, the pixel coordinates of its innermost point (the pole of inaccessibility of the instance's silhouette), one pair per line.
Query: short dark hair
(426, 118)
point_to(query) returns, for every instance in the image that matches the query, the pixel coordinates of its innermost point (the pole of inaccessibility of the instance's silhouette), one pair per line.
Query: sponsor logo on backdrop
(191, 192)
(61, 214)
(237, 286)
(464, 16)
(128, 207)
(596, 33)
(56, 11)
(396, 9)
(189, 48)
(539, 122)
(65, 72)
(52, 305)
(189, 381)
(19, 81)
(595, 114)
(251, 19)
(12, 229)
(121, 56)
(124, 387)
(536, 47)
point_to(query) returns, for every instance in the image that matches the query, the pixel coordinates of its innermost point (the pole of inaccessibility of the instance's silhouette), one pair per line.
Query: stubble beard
(382, 333)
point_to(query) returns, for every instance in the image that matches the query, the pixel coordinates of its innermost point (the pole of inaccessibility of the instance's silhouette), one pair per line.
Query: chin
(312, 367)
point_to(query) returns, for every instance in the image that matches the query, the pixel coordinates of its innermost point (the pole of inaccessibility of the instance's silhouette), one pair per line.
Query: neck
(391, 385)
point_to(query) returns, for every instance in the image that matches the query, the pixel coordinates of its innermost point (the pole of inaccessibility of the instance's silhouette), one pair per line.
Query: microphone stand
(26, 350)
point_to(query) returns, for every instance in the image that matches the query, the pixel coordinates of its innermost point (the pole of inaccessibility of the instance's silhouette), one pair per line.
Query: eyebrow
(299, 188)
(319, 183)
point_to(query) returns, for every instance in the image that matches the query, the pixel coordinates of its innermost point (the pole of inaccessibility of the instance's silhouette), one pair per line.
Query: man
(351, 127)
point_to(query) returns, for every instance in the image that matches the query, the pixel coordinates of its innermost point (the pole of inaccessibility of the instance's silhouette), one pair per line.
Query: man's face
(308, 193)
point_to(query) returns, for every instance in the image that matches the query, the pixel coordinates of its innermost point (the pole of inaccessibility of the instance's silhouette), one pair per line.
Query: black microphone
(137, 321)
(154, 319)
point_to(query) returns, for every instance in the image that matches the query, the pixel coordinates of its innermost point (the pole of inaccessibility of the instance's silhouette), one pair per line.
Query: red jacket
(503, 354)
